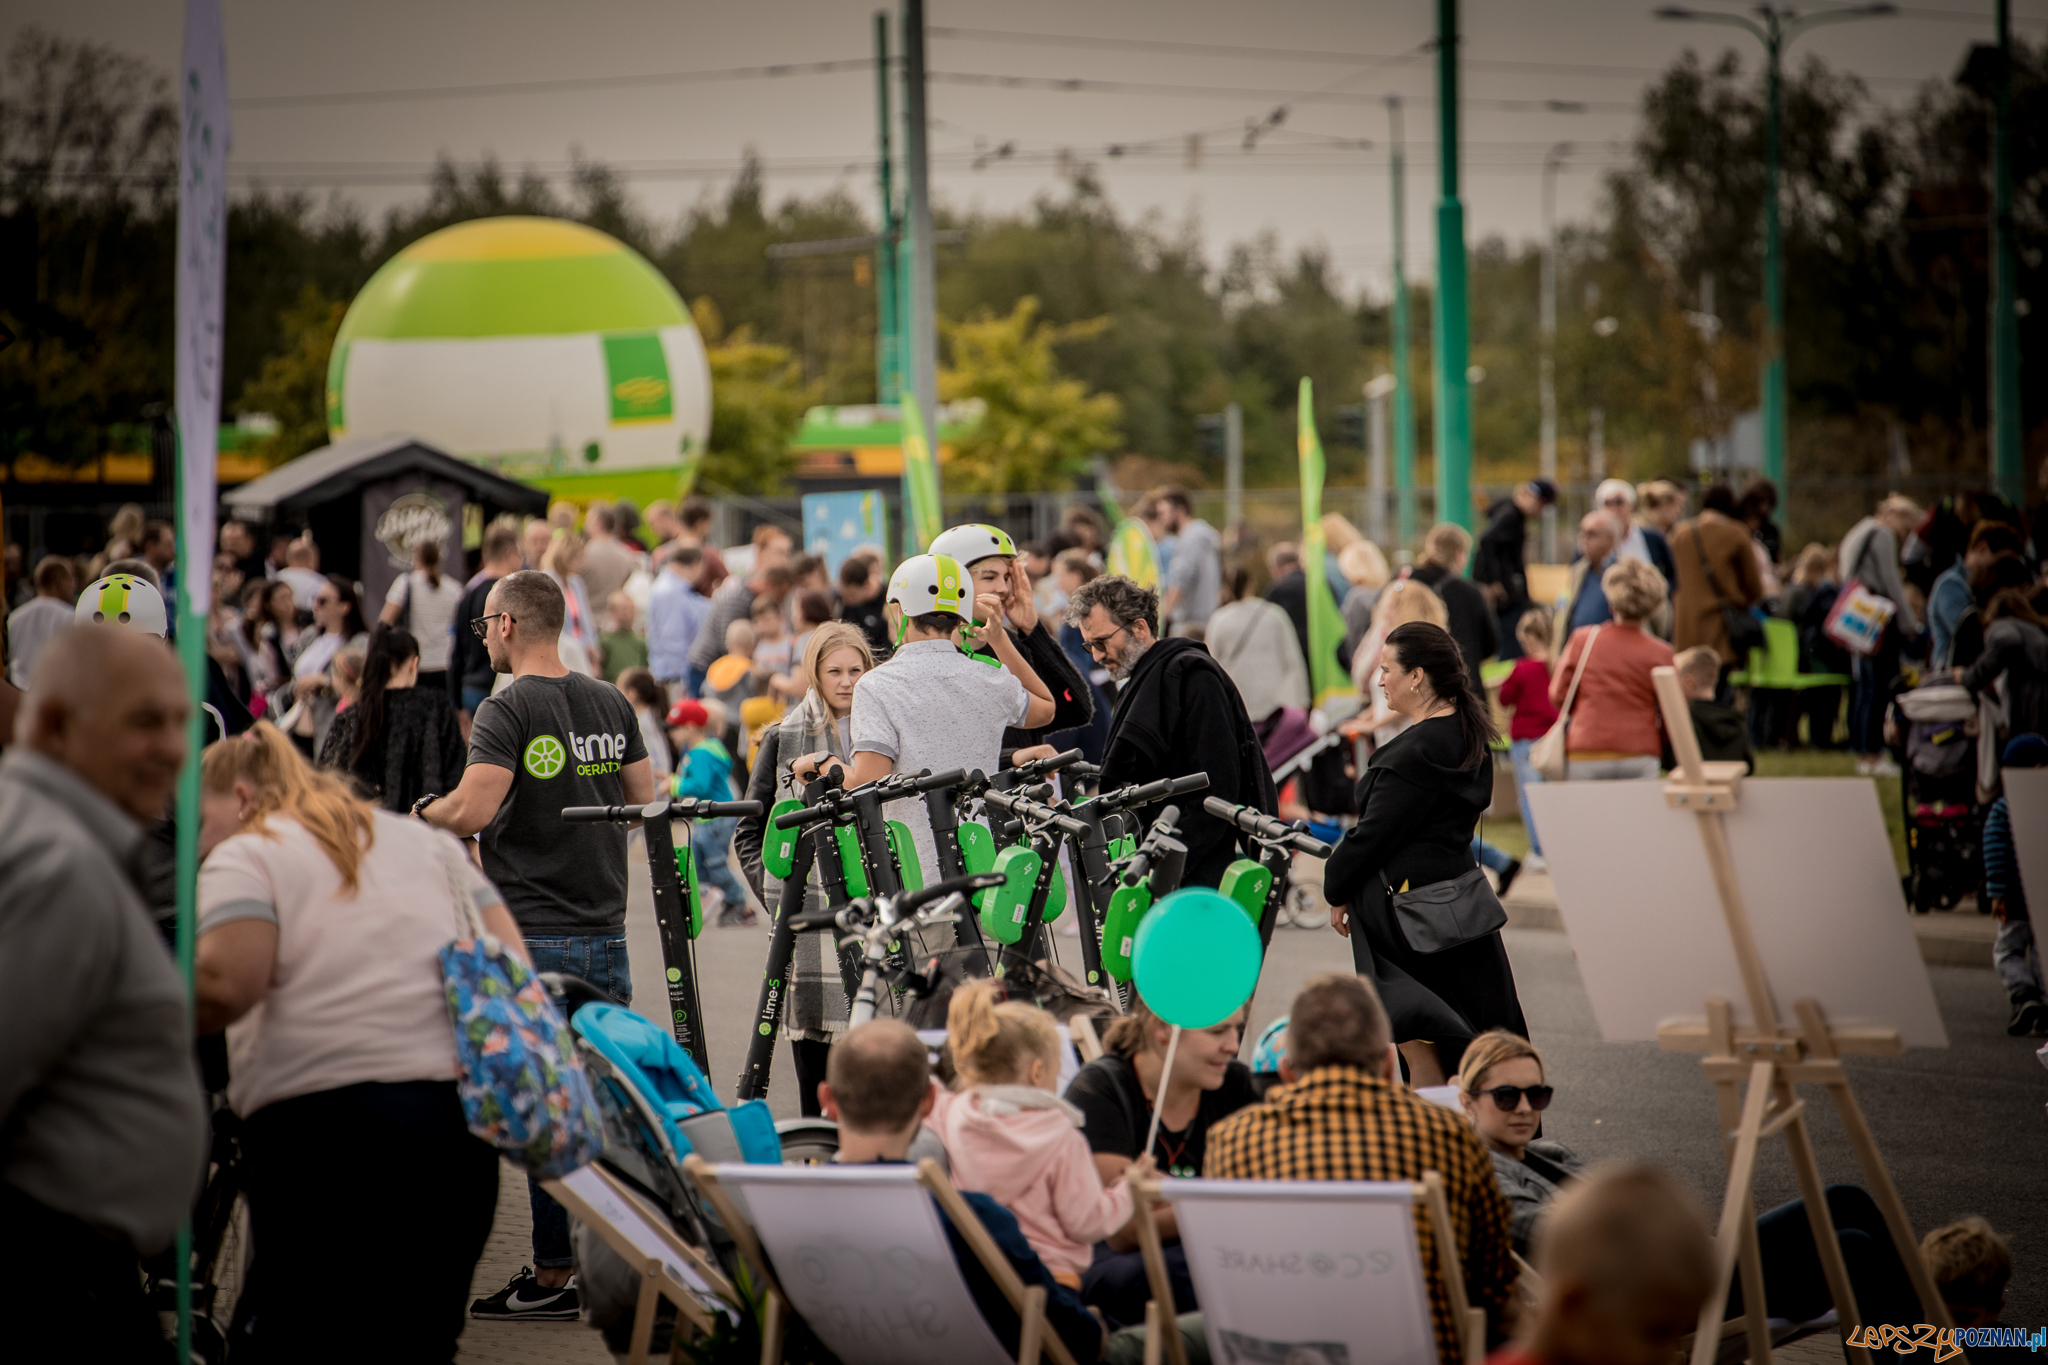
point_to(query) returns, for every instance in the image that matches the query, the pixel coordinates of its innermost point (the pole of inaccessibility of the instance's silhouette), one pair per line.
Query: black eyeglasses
(481, 626)
(1099, 647)
(1508, 1098)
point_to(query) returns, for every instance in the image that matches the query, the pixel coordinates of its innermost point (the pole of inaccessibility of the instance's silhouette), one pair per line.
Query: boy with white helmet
(932, 706)
(996, 570)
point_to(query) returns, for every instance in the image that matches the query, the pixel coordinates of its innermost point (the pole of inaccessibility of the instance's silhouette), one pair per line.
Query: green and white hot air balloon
(543, 349)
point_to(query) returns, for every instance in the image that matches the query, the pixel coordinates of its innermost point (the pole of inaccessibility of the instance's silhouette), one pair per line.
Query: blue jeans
(693, 681)
(1491, 858)
(710, 841)
(599, 959)
(1525, 774)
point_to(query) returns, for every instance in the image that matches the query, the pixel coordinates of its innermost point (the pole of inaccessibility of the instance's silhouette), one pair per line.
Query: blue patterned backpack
(523, 1091)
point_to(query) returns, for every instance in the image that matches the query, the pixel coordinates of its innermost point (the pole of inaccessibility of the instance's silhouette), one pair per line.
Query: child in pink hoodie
(1011, 1137)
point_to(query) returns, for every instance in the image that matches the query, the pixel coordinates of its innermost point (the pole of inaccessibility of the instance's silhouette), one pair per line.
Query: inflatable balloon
(1196, 958)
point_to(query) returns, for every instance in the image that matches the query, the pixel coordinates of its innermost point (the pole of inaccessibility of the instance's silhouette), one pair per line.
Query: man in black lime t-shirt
(551, 740)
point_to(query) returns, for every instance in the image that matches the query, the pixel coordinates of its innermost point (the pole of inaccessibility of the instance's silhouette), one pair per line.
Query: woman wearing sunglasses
(1501, 1085)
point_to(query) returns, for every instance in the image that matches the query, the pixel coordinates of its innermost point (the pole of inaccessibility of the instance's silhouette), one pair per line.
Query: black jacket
(419, 749)
(1289, 592)
(469, 664)
(1179, 713)
(1473, 624)
(1417, 806)
(1501, 556)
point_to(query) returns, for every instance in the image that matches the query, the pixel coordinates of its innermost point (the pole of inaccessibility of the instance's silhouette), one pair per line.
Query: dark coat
(1179, 713)
(1500, 557)
(417, 750)
(1472, 621)
(1418, 804)
(1289, 592)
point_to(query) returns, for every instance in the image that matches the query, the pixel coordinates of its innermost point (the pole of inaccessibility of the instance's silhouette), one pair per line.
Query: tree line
(1091, 333)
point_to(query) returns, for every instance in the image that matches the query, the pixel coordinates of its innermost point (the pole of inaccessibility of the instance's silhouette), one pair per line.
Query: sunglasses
(1508, 1098)
(1097, 648)
(481, 626)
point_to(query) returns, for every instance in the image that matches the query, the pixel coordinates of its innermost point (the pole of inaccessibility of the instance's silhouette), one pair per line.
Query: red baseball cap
(688, 711)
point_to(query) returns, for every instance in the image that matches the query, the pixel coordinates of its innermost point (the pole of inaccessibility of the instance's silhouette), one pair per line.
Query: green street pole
(2006, 464)
(1452, 343)
(888, 345)
(1404, 384)
(920, 318)
(1774, 415)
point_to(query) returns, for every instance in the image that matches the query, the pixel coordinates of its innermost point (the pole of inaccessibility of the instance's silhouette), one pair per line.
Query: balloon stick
(1159, 1102)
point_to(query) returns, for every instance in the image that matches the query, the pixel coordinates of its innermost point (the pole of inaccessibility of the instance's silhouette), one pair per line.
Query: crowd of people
(599, 656)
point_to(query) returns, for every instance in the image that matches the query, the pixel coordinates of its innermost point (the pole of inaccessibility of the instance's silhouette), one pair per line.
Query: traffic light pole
(888, 341)
(1404, 384)
(1453, 349)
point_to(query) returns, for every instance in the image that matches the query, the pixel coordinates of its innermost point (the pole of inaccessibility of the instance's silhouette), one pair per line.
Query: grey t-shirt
(564, 740)
(1197, 570)
(933, 707)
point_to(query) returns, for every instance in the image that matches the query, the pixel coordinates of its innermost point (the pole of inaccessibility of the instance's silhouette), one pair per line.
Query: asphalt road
(1962, 1129)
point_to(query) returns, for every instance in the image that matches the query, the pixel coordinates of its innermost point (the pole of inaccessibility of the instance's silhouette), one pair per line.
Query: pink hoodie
(1022, 1147)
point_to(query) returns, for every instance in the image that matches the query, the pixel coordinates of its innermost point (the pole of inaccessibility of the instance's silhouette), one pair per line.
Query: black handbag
(1745, 632)
(1448, 914)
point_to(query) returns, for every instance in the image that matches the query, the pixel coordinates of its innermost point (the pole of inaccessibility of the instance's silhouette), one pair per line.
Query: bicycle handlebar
(688, 808)
(1262, 826)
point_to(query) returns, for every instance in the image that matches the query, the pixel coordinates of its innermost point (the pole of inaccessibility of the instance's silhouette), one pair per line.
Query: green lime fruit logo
(675, 974)
(767, 1029)
(545, 756)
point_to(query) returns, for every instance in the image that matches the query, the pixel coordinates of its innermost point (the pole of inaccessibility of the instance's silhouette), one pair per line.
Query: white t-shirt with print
(933, 707)
(356, 993)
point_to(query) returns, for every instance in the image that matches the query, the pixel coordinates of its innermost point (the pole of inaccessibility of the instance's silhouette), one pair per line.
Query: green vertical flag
(1326, 677)
(922, 521)
(1130, 553)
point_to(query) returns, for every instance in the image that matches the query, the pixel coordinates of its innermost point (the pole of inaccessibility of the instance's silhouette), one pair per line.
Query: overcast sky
(1156, 73)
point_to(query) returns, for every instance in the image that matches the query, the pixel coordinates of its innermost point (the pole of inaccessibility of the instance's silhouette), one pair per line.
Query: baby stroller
(658, 1108)
(1937, 789)
(1318, 768)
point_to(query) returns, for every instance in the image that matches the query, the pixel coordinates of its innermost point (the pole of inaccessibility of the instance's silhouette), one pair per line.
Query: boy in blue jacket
(704, 771)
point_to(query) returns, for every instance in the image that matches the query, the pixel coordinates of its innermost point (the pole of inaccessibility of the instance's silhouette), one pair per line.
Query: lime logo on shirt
(597, 755)
(545, 756)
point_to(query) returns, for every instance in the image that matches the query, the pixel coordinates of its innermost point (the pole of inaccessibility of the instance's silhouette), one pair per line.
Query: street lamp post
(1775, 27)
(1547, 363)
(1450, 322)
(1404, 388)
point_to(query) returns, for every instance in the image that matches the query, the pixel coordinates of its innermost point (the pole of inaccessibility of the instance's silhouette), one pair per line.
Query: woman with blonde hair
(1404, 602)
(321, 920)
(564, 564)
(1617, 730)
(1503, 1092)
(815, 1009)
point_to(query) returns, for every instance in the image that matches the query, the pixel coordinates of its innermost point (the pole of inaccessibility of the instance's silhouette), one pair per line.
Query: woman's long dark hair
(1431, 649)
(390, 647)
(345, 588)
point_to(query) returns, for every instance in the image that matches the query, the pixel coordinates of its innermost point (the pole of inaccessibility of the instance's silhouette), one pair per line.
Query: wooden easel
(1773, 1059)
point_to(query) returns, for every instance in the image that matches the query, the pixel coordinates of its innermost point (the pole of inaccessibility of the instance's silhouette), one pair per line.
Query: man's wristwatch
(420, 806)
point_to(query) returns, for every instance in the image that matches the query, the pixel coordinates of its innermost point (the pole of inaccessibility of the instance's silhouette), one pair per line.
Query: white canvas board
(635, 1222)
(2026, 801)
(1306, 1271)
(864, 1258)
(1817, 877)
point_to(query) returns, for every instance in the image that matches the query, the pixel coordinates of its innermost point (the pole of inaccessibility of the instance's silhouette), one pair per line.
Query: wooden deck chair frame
(1033, 1338)
(657, 1281)
(1163, 1345)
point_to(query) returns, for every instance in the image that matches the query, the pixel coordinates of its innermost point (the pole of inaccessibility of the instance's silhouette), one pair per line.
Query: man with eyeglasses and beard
(1177, 712)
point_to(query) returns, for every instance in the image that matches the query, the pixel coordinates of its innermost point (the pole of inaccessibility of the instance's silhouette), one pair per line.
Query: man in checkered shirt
(1343, 1114)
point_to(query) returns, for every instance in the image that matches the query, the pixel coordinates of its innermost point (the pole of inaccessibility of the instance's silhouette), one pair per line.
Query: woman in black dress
(1418, 802)
(397, 740)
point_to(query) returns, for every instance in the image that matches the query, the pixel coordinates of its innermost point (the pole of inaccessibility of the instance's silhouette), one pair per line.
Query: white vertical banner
(202, 270)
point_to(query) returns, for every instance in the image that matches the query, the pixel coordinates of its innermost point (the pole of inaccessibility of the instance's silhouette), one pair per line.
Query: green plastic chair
(1775, 667)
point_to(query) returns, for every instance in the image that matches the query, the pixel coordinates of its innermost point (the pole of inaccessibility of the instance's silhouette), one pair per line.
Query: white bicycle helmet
(122, 599)
(924, 584)
(972, 542)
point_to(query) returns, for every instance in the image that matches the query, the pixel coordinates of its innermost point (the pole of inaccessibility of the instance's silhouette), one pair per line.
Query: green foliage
(758, 397)
(1037, 430)
(293, 384)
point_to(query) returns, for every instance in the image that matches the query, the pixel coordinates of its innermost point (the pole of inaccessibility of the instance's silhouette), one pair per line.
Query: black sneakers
(2030, 1017)
(1507, 877)
(526, 1300)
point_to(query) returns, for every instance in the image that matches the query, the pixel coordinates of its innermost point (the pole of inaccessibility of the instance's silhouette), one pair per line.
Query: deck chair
(860, 1253)
(1306, 1270)
(670, 1268)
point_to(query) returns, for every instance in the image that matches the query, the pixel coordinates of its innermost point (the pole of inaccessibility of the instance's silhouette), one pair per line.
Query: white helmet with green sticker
(924, 584)
(122, 599)
(972, 542)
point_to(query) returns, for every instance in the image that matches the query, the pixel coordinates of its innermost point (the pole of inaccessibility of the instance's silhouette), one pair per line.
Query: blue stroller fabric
(669, 1084)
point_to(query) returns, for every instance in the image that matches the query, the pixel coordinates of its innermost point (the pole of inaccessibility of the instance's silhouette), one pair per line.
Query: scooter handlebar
(715, 810)
(1260, 825)
(1164, 826)
(1127, 798)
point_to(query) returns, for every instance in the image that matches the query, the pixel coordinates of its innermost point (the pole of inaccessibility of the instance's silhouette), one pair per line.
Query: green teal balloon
(1196, 958)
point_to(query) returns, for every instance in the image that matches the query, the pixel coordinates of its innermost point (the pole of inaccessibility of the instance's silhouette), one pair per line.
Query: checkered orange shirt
(1339, 1123)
